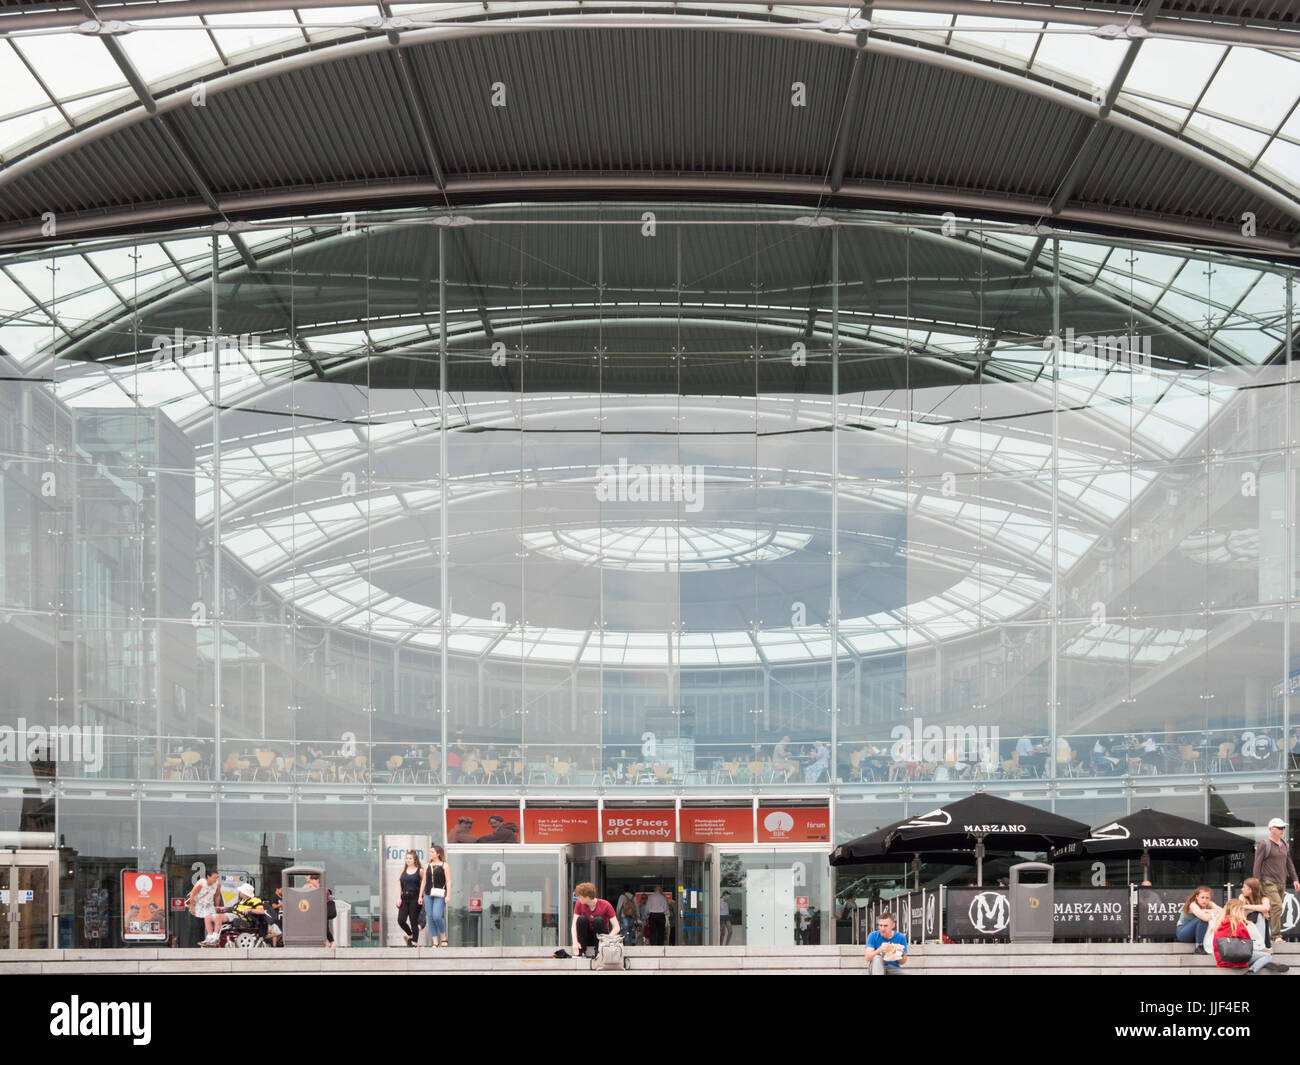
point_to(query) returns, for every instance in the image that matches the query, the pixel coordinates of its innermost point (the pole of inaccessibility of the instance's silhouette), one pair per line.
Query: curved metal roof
(1176, 120)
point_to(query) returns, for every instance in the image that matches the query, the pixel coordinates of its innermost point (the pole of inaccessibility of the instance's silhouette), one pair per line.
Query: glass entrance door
(695, 903)
(25, 908)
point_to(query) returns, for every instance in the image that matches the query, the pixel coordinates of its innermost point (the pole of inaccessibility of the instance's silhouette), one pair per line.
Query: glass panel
(30, 891)
(775, 897)
(694, 910)
(506, 899)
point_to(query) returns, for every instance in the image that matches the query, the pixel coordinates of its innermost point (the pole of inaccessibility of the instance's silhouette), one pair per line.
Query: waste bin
(1033, 898)
(304, 907)
(342, 923)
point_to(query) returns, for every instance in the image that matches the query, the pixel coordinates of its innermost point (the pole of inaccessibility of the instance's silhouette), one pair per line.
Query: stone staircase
(972, 959)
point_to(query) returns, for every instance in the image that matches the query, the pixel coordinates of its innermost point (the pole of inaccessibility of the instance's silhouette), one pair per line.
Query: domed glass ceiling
(1048, 466)
(661, 548)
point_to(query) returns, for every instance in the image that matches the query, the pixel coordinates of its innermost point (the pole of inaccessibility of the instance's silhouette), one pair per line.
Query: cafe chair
(728, 770)
(490, 767)
(663, 774)
(1065, 764)
(1011, 766)
(470, 771)
(266, 765)
(755, 771)
(1190, 758)
(190, 765)
(432, 774)
(562, 771)
(1222, 762)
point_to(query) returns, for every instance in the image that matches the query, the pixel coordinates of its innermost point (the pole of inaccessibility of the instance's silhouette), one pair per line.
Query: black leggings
(408, 916)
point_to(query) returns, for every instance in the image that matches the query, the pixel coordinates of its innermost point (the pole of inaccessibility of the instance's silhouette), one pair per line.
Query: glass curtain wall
(573, 499)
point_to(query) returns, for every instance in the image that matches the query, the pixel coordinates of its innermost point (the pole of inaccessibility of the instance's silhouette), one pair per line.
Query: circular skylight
(665, 548)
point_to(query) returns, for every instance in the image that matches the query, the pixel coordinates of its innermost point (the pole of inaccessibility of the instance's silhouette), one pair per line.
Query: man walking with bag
(1275, 869)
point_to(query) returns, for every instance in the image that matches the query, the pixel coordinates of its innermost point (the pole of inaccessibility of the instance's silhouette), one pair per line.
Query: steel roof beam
(759, 188)
(1086, 153)
(849, 114)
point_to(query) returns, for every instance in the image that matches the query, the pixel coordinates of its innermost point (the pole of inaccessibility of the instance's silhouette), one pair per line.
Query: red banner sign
(639, 824)
(798, 824)
(560, 826)
(495, 826)
(718, 825)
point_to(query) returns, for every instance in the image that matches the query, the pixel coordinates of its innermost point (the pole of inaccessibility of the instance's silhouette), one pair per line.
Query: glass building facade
(331, 525)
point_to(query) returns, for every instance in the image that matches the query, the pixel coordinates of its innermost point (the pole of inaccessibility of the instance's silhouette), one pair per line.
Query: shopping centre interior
(696, 434)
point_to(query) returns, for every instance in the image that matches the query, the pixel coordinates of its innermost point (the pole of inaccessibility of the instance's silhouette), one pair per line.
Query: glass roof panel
(249, 30)
(1020, 45)
(1088, 60)
(71, 64)
(1246, 144)
(184, 46)
(1254, 86)
(1174, 70)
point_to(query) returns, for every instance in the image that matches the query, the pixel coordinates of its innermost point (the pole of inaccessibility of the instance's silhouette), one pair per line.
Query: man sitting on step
(886, 952)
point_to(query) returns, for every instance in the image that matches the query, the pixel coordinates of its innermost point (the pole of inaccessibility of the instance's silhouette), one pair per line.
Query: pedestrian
(625, 908)
(434, 888)
(331, 911)
(592, 917)
(1257, 907)
(408, 894)
(1198, 915)
(202, 903)
(886, 952)
(1254, 958)
(724, 918)
(656, 915)
(1274, 869)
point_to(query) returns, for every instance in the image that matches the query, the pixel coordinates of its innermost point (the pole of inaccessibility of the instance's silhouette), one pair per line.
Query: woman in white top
(202, 903)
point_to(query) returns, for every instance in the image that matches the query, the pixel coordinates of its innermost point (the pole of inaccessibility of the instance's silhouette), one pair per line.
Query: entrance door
(695, 902)
(26, 921)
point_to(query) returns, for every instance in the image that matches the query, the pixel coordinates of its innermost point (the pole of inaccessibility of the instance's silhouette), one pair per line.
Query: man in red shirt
(592, 917)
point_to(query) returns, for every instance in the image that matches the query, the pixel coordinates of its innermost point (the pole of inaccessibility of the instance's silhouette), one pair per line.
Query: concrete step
(968, 959)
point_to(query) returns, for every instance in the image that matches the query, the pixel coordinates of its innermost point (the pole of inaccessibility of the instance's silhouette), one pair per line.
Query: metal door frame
(17, 859)
(588, 854)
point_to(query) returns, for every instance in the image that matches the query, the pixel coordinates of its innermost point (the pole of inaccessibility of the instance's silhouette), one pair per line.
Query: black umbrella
(1150, 832)
(983, 822)
(871, 849)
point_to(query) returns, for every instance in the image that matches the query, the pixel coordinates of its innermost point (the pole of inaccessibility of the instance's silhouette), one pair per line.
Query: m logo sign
(989, 912)
(1290, 913)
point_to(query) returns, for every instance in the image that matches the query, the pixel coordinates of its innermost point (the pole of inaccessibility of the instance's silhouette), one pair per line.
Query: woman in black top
(408, 906)
(434, 891)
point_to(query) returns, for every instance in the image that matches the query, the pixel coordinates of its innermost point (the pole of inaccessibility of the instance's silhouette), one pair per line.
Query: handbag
(437, 892)
(1233, 950)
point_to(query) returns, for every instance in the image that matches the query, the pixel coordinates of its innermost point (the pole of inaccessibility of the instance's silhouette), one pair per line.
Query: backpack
(629, 907)
(609, 954)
